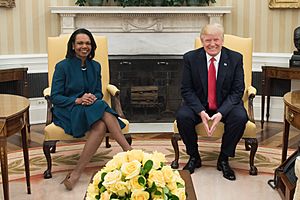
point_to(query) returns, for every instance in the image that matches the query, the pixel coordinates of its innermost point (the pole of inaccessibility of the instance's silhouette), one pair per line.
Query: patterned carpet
(266, 160)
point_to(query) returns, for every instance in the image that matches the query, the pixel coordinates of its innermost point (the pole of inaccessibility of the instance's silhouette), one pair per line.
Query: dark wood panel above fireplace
(144, 72)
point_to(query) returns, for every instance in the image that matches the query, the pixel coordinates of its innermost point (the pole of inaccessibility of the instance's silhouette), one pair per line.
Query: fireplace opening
(149, 84)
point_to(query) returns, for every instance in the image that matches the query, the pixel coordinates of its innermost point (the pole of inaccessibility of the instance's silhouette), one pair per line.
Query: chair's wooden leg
(174, 140)
(128, 138)
(252, 144)
(107, 145)
(53, 148)
(48, 147)
(247, 145)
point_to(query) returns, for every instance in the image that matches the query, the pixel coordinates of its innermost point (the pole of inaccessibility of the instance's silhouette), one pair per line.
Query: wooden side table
(13, 119)
(18, 75)
(291, 117)
(268, 73)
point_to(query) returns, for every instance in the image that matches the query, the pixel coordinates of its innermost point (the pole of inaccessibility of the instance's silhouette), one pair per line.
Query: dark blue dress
(70, 82)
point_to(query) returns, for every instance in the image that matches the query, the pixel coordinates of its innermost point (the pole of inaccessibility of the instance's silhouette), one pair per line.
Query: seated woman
(77, 101)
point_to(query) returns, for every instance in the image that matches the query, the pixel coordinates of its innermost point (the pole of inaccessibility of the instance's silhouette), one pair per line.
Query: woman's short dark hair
(71, 42)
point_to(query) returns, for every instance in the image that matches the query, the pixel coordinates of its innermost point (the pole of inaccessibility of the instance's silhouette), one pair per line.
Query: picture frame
(284, 4)
(7, 3)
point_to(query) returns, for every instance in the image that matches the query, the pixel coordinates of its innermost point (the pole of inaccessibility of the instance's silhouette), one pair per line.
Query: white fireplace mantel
(141, 30)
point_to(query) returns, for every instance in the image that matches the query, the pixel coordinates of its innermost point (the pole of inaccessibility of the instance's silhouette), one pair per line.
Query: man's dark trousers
(234, 126)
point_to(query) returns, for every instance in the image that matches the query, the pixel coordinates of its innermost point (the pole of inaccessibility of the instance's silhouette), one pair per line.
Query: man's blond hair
(214, 28)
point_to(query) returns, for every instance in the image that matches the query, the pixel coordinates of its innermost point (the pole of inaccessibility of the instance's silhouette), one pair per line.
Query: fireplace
(149, 84)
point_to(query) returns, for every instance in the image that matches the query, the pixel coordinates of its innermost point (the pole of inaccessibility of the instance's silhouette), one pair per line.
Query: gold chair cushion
(53, 132)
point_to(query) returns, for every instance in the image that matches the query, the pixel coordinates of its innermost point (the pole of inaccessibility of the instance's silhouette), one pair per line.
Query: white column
(67, 23)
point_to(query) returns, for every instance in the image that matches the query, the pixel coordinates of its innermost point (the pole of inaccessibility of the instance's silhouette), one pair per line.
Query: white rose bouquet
(137, 175)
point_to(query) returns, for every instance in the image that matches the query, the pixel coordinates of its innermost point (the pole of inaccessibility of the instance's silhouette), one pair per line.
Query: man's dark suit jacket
(230, 80)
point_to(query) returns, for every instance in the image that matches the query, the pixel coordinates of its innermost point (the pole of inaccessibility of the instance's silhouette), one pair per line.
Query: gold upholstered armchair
(244, 46)
(57, 47)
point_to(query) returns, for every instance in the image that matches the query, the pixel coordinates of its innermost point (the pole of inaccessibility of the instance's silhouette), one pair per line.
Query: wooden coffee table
(189, 187)
(13, 119)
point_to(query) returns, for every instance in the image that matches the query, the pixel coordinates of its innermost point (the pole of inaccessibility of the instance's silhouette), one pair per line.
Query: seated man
(212, 88)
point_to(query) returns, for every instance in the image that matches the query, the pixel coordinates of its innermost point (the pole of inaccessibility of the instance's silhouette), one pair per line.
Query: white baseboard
(37, 110)
(37, 63)
(276, 109)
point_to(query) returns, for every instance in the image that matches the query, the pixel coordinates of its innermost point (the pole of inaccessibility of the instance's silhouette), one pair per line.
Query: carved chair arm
(116, 102)
(46, 93)
(251, 91)
(113, 90)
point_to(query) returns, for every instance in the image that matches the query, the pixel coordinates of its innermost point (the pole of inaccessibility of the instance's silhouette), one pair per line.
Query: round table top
(11, 105)
(293, 99)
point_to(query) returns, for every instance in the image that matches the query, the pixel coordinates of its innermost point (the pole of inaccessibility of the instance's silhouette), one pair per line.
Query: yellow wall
(24, 29)
(271, 29)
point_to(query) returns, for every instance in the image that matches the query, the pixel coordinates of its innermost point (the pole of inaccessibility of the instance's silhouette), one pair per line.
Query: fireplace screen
(150, 86)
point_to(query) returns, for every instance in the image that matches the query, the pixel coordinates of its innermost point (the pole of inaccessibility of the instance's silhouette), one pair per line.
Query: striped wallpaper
(25, 28)
(271, 29)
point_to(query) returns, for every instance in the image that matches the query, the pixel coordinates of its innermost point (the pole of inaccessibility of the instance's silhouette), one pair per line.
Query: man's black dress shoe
(192, 164)
(228, 173)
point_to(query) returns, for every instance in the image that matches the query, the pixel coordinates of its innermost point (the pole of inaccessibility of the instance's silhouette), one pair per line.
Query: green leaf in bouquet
(142, 180)
(100, 184)
(162, 164)
(102, 189)
(157, 192)
(179, 185)
(166, 197)
(97, 196)
(103, 175)
(113, 196)
(153, 188)
(174, 197)
(147, 167)
(166, 190)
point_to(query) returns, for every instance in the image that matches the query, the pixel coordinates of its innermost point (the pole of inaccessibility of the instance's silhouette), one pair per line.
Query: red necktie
(212, 86)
